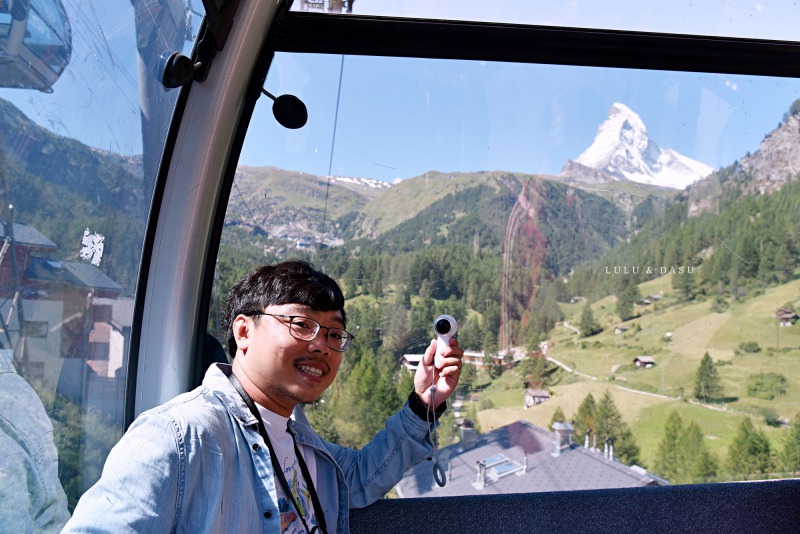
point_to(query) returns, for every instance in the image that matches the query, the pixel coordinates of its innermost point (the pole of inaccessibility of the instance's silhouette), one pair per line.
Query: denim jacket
(31, 496)
(198, 464)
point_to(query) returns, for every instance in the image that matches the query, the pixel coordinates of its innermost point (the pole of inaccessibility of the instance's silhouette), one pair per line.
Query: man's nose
(320, 342)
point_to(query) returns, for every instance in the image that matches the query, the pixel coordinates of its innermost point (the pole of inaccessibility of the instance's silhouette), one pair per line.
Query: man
(237, 454)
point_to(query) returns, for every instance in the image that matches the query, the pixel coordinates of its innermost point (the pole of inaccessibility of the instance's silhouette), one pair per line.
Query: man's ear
(241, 332)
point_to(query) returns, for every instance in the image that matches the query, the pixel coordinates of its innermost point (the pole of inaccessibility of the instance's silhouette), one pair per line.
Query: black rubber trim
(305, 32)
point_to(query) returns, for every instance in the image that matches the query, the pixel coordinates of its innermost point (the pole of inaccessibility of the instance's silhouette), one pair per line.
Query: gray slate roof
(27, 235)
(575, 468)
(77, 274)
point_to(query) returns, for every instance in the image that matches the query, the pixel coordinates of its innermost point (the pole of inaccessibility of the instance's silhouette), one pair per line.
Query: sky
(398, 118)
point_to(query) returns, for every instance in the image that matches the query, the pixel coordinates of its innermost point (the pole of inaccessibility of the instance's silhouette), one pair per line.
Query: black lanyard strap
(262, 429)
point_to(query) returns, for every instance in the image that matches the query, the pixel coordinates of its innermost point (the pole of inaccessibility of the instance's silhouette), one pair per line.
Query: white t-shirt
(283, 444)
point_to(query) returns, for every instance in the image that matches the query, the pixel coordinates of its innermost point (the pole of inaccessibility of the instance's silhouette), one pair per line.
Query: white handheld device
(445, 327)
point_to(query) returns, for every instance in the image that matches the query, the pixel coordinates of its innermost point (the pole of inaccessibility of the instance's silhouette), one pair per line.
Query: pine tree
(668, 460)
(707, 467)
(707, 386)
(690, 447)
(468, 377)
(683, 457)
(489, 344)
(749, 453)
(558, 417)
(790, 457)
(321, 418)
(610, 427)
(583, 421)
(588, 325)
(684, 284)
(626, 300)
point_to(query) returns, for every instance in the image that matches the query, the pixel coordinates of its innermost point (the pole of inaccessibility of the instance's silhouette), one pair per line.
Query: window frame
(306, 32)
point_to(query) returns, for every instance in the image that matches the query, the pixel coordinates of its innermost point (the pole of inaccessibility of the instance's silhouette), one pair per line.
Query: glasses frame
(290, 325)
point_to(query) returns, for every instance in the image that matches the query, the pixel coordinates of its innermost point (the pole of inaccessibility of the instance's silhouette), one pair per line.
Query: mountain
(296, 206)
(769, 169)
(470, 209)
(623, 150)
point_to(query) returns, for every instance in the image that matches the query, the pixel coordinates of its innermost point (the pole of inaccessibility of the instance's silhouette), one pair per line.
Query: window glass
(729, 18)
(618, 247)
(82, 125)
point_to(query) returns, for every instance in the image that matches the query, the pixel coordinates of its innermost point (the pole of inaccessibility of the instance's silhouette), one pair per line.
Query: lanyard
(276, 468)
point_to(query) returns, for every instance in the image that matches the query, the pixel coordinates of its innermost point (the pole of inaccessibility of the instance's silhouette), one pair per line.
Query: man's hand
(445, 378)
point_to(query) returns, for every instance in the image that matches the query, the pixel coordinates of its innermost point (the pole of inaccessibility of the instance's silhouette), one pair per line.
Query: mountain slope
(769, 169)
(296, 206)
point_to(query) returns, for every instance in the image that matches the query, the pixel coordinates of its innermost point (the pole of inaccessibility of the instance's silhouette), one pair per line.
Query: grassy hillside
(646, 397)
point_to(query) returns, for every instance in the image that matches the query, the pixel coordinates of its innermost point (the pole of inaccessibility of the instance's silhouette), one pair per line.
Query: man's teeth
(310, 370)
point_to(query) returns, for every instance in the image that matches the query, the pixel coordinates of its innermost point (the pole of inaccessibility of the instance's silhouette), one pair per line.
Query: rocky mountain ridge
(768, 169)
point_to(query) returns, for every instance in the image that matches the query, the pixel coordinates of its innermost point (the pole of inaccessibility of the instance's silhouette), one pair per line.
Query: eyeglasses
(306, 329)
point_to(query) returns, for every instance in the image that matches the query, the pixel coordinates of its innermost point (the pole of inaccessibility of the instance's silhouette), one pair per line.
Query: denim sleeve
(376, 468)
(31, 496)
(141, 484)
(23, 496)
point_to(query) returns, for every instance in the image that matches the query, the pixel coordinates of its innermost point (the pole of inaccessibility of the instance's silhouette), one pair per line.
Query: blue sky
(398, 118)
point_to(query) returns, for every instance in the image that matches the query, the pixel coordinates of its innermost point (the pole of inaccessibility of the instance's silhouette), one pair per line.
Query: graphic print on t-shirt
(283, 446)
(290, 521)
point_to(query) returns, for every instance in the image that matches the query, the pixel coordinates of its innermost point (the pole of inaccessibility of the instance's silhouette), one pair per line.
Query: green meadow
(676, 335)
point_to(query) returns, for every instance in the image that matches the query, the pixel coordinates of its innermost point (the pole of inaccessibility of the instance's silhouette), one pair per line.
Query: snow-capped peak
(366, 182)
(622, 149)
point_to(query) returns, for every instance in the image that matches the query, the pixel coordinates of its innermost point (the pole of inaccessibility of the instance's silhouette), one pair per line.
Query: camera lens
(442, 326)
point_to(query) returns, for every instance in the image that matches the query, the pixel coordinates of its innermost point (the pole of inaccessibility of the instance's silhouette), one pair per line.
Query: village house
(644, 362)
(535, 396)
(786, 317)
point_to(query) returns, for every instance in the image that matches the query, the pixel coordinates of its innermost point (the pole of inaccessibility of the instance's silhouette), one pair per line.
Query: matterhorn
(622, 150)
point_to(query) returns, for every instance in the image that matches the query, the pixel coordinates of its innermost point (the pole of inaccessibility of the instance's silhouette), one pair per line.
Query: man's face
(284, 370)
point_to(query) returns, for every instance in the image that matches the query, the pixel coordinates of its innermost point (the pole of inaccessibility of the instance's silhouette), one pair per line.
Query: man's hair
(291, 282)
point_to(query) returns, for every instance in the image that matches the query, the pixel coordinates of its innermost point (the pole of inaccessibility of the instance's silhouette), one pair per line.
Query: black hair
(290, 282)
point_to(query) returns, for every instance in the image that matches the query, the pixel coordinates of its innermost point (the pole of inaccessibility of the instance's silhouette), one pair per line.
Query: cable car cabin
(577, 185)
(35, 43)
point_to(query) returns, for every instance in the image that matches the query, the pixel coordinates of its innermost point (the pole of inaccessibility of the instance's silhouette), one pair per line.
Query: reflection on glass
(618, 247)
(74, 196)
(32, 497)
(35, 44)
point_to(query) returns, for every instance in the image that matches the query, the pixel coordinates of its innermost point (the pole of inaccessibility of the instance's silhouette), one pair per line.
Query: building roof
(523, 454)
(91, 276)
(27, 235)
(645, 359)
(74, 273)
(537, 392)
